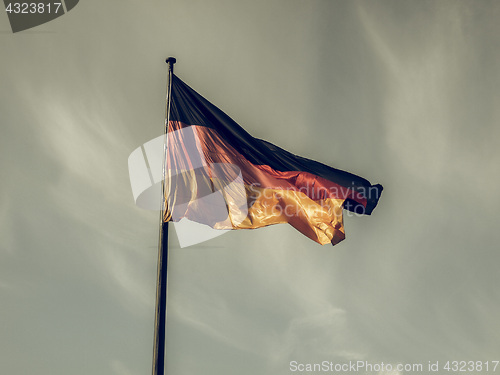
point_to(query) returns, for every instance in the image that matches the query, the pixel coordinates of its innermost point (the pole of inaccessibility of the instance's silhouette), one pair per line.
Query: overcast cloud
(403, 93)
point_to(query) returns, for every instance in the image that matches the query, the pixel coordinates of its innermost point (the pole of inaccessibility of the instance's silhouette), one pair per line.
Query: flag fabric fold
(219, 175)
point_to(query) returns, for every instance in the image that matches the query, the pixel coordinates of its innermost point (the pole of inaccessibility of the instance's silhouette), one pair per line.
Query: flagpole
(161, 285)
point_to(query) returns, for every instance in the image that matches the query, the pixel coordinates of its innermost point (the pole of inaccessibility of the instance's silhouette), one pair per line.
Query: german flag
(219, 175)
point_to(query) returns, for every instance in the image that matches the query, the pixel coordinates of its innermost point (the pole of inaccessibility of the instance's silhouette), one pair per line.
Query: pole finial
(171, 60)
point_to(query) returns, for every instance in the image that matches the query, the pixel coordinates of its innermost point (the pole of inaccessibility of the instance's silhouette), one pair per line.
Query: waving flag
(219, 175)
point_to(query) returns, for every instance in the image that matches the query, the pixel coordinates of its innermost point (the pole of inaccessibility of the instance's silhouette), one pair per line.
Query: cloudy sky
(403, 93)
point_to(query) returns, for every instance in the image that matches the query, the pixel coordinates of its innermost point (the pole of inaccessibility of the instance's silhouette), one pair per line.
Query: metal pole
(161, 285)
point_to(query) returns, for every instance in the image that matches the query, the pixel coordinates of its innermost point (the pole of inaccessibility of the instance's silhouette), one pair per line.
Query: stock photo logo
(191, 178)
(25, 15)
